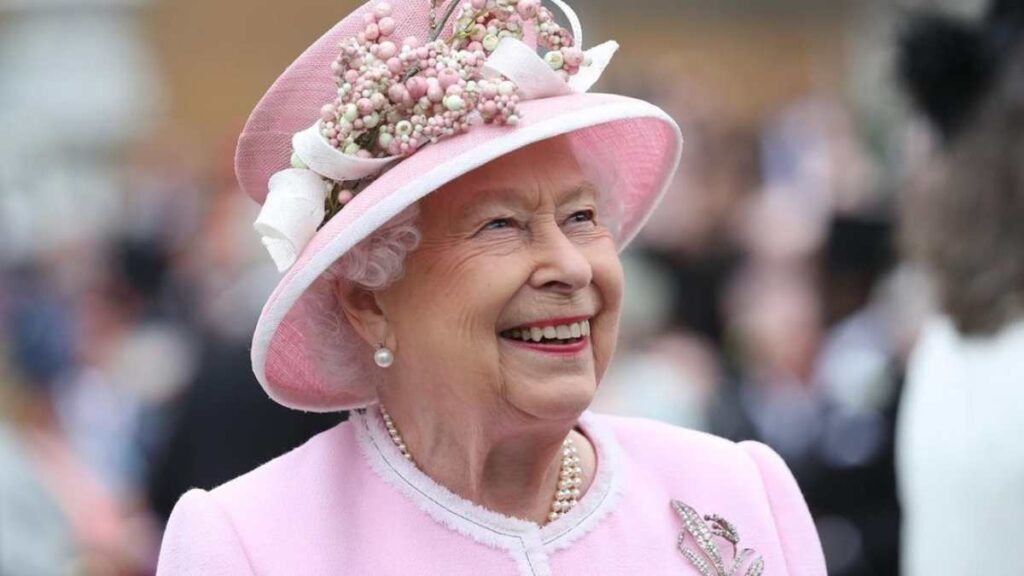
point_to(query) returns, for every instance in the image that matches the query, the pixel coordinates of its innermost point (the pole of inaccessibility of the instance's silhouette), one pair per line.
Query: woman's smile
(557, 336)
(569, 347)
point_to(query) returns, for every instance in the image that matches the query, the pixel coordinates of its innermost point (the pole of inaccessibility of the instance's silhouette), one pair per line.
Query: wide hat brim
(635, 145)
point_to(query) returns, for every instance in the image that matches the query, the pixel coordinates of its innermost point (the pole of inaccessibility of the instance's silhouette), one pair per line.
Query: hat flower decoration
(394, 97)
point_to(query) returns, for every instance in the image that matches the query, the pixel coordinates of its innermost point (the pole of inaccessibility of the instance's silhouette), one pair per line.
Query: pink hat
(308, 360)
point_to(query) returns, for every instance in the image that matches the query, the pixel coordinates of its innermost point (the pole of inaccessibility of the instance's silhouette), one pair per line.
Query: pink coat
(347, 502)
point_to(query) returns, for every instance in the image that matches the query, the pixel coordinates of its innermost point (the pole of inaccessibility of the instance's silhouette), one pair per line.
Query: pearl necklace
(570, 473)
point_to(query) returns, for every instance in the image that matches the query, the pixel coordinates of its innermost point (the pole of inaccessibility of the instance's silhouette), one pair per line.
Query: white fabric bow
(293, 209)
(294, 206)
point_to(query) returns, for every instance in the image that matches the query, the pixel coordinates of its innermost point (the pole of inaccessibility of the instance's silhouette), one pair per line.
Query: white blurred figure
(960, 464)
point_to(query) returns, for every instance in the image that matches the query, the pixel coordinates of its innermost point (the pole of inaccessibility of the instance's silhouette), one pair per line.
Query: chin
(555, 399)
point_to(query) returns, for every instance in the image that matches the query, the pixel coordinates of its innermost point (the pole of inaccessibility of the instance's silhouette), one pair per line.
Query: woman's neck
(495, 460)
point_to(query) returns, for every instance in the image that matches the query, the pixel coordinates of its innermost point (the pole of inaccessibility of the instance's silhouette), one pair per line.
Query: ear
(364, 314)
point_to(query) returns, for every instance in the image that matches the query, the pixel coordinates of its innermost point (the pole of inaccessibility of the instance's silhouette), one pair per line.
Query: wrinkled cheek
(462, 353)
(604, 341)
(605, 334)
(609, 279)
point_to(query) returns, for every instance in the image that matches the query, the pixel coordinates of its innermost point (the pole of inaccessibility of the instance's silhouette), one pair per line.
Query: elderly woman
(462, 295)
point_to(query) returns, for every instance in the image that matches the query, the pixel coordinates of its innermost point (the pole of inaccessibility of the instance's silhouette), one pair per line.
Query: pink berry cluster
(396, 97)
(483, 23)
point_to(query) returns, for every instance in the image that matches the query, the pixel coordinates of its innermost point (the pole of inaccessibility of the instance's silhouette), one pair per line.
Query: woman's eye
(581, 216)
(498, 224)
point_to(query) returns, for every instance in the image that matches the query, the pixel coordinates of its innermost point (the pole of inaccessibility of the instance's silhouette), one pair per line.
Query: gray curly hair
(376, 262)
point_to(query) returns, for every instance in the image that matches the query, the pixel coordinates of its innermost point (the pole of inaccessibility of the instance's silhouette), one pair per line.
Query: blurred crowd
(766, 300)
(126, 376)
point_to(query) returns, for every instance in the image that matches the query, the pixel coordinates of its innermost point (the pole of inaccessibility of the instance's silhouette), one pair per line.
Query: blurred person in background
(58, 515)
(221, 424)
(692, 237)
(960, 463)
(812, 361)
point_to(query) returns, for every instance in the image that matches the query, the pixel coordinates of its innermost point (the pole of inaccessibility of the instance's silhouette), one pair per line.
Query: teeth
(560, 332)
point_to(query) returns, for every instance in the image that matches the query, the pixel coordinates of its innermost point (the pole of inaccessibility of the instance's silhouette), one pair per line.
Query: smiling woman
(450, 226)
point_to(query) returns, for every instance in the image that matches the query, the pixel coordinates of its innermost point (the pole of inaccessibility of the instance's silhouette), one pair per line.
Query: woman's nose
(560, 264)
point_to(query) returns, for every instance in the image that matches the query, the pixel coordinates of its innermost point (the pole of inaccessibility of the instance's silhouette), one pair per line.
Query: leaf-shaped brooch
(706, 556)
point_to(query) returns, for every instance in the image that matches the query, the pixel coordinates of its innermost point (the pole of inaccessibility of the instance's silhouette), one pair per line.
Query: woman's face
(513, 251)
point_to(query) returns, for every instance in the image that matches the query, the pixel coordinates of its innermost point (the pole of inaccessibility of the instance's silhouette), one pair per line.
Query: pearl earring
(384, 357)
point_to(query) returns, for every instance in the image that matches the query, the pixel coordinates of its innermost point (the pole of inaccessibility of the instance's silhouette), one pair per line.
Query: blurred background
(767, 299)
